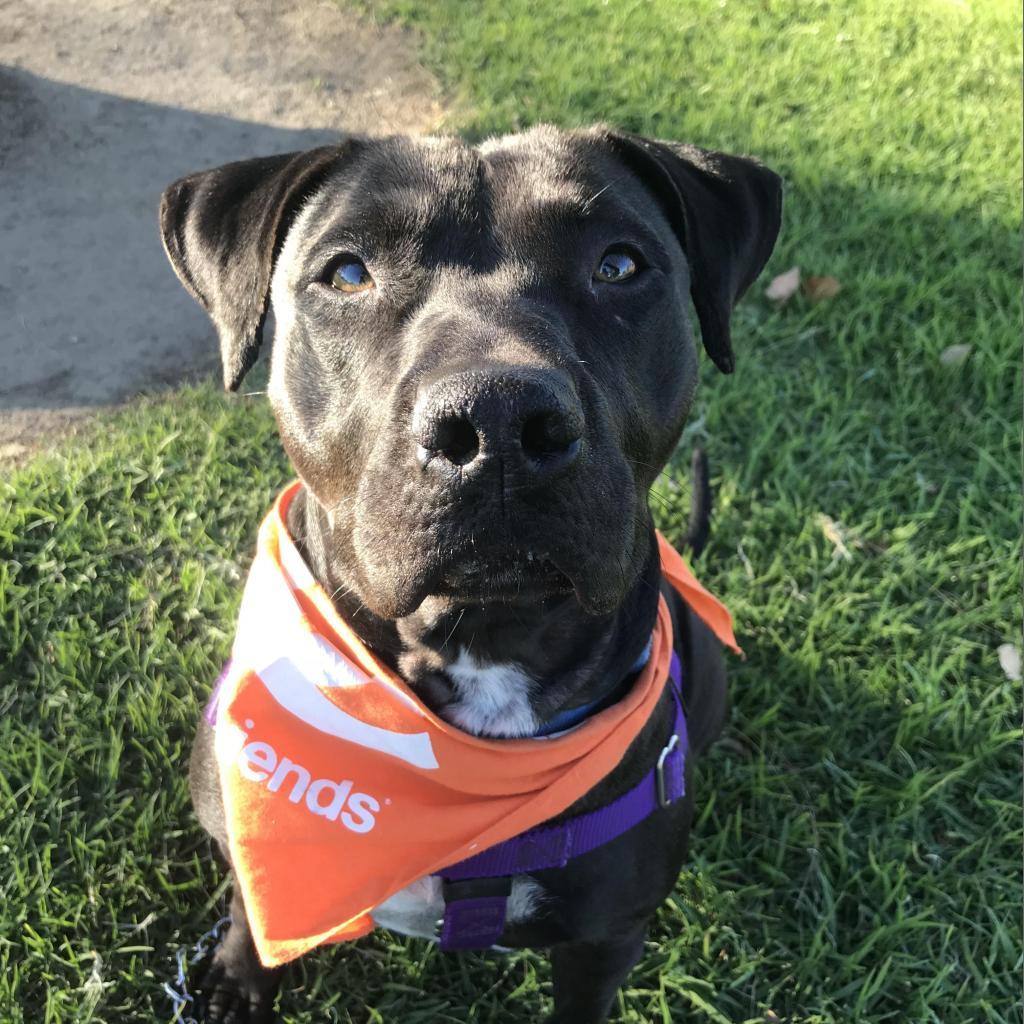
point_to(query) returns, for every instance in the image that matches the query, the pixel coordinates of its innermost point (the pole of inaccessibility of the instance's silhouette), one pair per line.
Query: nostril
(455, 439)
(548, 434)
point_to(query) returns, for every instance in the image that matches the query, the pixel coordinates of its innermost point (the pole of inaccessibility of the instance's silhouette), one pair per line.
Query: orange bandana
(341, 787)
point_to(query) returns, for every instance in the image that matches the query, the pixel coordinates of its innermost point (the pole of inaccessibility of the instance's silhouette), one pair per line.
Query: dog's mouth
(500, 574)
(508, 577)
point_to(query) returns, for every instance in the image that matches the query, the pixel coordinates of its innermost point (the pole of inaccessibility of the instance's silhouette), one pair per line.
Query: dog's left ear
(222, 230)
(726, 212)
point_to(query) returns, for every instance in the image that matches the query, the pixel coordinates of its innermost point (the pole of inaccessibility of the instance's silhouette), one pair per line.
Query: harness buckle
(664, 799)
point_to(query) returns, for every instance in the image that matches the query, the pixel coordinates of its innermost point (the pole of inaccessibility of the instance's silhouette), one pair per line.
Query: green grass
(858, 851)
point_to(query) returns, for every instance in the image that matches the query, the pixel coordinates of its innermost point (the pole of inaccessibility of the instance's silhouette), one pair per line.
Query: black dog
(483, 359)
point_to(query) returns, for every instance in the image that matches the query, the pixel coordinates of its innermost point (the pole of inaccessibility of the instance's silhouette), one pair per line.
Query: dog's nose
(529, 416)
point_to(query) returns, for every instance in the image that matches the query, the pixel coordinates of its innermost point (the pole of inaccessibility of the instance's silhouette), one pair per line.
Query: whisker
(455, 627)
(601, 191)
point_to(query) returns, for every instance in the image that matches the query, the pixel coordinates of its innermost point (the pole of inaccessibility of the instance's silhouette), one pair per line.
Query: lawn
(857, 854)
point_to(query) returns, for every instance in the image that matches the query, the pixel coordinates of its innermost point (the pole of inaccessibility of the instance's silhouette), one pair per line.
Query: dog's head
(483, 355)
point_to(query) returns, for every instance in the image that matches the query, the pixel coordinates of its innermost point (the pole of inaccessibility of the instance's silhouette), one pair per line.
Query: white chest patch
(491, 700)
(417, 909)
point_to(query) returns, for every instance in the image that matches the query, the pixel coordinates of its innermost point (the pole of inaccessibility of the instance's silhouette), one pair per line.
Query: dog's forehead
(407, 179)
(542, 163)
(552, 189)
(545, 165)
(409, 184)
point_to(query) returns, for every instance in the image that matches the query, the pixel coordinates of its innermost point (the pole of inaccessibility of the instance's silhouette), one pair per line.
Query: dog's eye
(351, 275)
(614, 266)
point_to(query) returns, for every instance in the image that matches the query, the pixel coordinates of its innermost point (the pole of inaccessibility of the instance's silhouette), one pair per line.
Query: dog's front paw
(231, 991)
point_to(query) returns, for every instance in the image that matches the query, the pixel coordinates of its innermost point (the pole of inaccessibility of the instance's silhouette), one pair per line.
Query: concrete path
(102, 104)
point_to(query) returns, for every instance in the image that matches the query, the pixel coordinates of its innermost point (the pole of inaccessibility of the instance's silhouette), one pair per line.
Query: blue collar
(572, 717)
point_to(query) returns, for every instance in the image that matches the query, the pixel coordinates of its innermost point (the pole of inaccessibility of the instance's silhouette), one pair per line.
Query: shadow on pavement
(90, 311)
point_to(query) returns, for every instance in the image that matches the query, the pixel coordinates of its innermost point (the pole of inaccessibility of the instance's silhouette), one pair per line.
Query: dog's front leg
(587, 975)
(236, 988)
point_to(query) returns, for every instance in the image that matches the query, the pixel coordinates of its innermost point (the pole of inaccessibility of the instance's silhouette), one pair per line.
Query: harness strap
(476, 890)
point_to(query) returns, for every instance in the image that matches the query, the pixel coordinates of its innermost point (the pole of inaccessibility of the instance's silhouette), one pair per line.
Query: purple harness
(476, 890)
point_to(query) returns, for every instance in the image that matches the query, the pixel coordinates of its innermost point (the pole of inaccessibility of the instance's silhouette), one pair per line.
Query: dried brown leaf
(835, 534)
(821, 289)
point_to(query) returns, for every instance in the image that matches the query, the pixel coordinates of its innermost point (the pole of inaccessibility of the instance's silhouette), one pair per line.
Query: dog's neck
(496, 669)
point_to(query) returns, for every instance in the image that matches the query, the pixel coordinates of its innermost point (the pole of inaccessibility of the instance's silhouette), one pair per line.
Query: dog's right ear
(222, 230)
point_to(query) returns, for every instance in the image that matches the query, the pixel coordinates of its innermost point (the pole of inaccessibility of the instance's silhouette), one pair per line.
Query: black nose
(531, 417)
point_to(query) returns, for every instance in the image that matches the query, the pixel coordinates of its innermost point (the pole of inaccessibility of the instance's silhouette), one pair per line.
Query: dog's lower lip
(506, 576)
